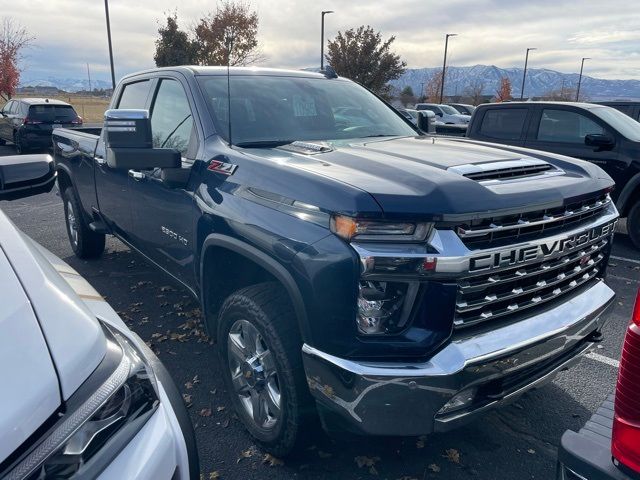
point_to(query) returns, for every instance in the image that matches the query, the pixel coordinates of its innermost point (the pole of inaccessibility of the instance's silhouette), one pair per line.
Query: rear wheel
(260, 350)
(17, 143)
(633, 224)
(85, 242)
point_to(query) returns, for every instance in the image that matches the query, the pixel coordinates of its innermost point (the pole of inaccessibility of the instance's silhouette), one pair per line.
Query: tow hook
(596, 337)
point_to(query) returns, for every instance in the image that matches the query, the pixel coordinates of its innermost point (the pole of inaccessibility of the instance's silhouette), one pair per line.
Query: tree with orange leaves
(13, 40)
(504, 92)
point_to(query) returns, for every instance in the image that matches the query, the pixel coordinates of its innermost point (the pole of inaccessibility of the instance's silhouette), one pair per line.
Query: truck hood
(415, 176)
(50, 342)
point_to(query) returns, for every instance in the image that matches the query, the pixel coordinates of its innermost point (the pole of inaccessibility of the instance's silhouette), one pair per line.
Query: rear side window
(134, 95)
(503, 123)
(565, 127)
(52, 113)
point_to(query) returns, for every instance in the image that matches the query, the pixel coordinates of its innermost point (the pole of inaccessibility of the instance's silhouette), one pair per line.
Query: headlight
(384, 307)
(350, 228)
(127, 397)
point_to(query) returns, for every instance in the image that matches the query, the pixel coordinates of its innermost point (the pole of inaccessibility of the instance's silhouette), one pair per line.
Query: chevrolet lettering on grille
(514, 256)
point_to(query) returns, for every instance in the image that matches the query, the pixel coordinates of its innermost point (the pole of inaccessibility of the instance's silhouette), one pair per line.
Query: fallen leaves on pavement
(370, 462)
(452, 455)
(272, 461)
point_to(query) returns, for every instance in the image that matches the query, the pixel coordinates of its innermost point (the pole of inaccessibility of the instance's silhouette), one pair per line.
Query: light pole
(444, 64)
(580, 77)
(524, 74)
(113, 75)
(324, 12)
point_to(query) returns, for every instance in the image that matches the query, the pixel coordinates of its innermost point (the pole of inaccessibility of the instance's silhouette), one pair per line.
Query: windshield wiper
(264, 143)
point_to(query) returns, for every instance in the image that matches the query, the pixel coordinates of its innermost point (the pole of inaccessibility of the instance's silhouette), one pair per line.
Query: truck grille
(501, 293)
(489, 232)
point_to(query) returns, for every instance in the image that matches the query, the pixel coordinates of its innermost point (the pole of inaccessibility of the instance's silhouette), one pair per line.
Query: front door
(112, 185)
(164, 210)
(562, 131)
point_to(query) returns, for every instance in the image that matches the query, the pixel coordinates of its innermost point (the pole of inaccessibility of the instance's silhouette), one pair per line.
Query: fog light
(459, 401)
(379, 306)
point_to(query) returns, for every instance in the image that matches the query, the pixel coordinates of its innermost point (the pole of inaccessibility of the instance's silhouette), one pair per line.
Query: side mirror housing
(26, 175)
(427, 121)
(599, 140)
(129, 142)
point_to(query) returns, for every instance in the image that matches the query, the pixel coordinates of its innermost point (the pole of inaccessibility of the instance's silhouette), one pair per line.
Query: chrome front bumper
(495, 366)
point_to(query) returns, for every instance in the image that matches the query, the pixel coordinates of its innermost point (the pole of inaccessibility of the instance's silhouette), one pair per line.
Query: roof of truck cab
(41, 101)
(542, 102)
(200, 70)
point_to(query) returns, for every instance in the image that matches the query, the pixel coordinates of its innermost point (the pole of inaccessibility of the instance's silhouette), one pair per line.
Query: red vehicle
(608, 446)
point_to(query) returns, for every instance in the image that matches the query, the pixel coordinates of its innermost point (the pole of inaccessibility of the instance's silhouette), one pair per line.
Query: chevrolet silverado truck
(392, 282)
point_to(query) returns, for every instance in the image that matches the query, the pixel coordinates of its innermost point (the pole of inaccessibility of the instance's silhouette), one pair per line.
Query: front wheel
(633, 224)
(85, 242)
(260, 350)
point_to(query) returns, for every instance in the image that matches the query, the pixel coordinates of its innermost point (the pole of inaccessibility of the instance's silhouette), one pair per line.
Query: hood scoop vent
(506, 170)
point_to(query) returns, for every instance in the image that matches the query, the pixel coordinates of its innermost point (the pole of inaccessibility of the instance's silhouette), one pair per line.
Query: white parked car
(82, 395)
(445, 113)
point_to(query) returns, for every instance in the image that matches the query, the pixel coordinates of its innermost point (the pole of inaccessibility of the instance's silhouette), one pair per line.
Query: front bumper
(489, 368)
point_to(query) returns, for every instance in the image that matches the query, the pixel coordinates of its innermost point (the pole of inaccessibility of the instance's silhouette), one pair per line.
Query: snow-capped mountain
(67, 84)
(539, 82)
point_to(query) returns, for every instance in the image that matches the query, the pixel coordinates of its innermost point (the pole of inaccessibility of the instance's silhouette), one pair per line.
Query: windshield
(449, 110)
(624, 124)
(284, 109)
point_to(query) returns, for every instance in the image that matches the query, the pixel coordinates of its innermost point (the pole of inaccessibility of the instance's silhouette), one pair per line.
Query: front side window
(566, 127)
(134, 95)
(286, 109)
(171, 119)
(449, 110)
(503, 123)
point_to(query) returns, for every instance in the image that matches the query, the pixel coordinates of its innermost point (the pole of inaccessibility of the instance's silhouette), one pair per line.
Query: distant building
(43, 91)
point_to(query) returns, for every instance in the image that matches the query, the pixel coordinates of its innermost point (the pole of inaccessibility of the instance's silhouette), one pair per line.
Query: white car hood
(30, 390)
(74, 336)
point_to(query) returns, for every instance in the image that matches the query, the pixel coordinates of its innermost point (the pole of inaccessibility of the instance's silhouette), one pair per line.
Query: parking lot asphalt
(517, 442)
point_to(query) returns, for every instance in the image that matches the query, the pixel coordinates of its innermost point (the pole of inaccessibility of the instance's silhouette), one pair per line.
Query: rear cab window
(503, 123)
(134, 95)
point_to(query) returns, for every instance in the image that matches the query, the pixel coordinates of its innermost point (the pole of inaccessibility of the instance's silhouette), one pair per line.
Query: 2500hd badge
(506, 258)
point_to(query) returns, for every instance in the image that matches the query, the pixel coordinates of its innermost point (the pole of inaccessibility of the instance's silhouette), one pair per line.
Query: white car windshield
(449, 110)
(283, 109)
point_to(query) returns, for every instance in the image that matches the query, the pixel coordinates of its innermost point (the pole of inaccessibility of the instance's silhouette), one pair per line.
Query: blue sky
(70, 33)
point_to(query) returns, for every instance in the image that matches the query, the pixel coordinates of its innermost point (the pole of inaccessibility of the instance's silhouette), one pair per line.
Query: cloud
(490, 32)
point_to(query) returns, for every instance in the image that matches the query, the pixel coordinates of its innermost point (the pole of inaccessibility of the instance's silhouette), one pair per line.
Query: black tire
(2, 142)
(17, 143)
(267, 307)
(633, 224)
(85, 242)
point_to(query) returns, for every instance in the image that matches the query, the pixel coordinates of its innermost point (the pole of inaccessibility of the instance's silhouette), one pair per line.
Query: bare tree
(473, 93)
(561, 95)
(432, 88)
(14, 39)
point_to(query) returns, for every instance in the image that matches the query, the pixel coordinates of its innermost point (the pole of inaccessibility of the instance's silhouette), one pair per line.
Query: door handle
(137, 176)
(100, 160)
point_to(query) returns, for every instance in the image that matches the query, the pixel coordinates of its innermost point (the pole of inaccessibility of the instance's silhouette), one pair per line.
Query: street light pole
(444, 64)
(324, 12)
(524, 74)
(113, 75)
(580, 77)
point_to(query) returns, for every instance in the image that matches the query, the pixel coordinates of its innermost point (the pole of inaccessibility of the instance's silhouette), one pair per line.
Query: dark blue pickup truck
(348, 266)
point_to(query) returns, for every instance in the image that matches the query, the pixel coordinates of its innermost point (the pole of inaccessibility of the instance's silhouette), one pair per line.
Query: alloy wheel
(254, 374)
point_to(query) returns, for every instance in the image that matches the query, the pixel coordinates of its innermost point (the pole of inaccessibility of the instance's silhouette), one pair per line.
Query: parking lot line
(631, 260)
(602, 359)
(617, 277)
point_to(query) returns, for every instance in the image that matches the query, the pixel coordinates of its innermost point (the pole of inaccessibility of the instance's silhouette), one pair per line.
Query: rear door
(164, 212)
(112, 185)
(562, 129)
(501, 124)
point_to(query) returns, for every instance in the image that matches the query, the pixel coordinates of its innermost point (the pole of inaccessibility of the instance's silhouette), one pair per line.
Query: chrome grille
(486, 232)
(500, 293)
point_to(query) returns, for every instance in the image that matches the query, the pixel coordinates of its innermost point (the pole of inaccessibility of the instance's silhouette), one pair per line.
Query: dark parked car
(463, 108)
(629, 108)
(608, 446)
(28, 122)
(596, 133)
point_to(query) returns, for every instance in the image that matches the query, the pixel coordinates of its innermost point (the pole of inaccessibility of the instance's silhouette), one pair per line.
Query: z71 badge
(222, 167)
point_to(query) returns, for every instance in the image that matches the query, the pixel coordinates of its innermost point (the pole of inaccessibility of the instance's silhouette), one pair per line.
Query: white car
(445, 113)
(82, 395)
